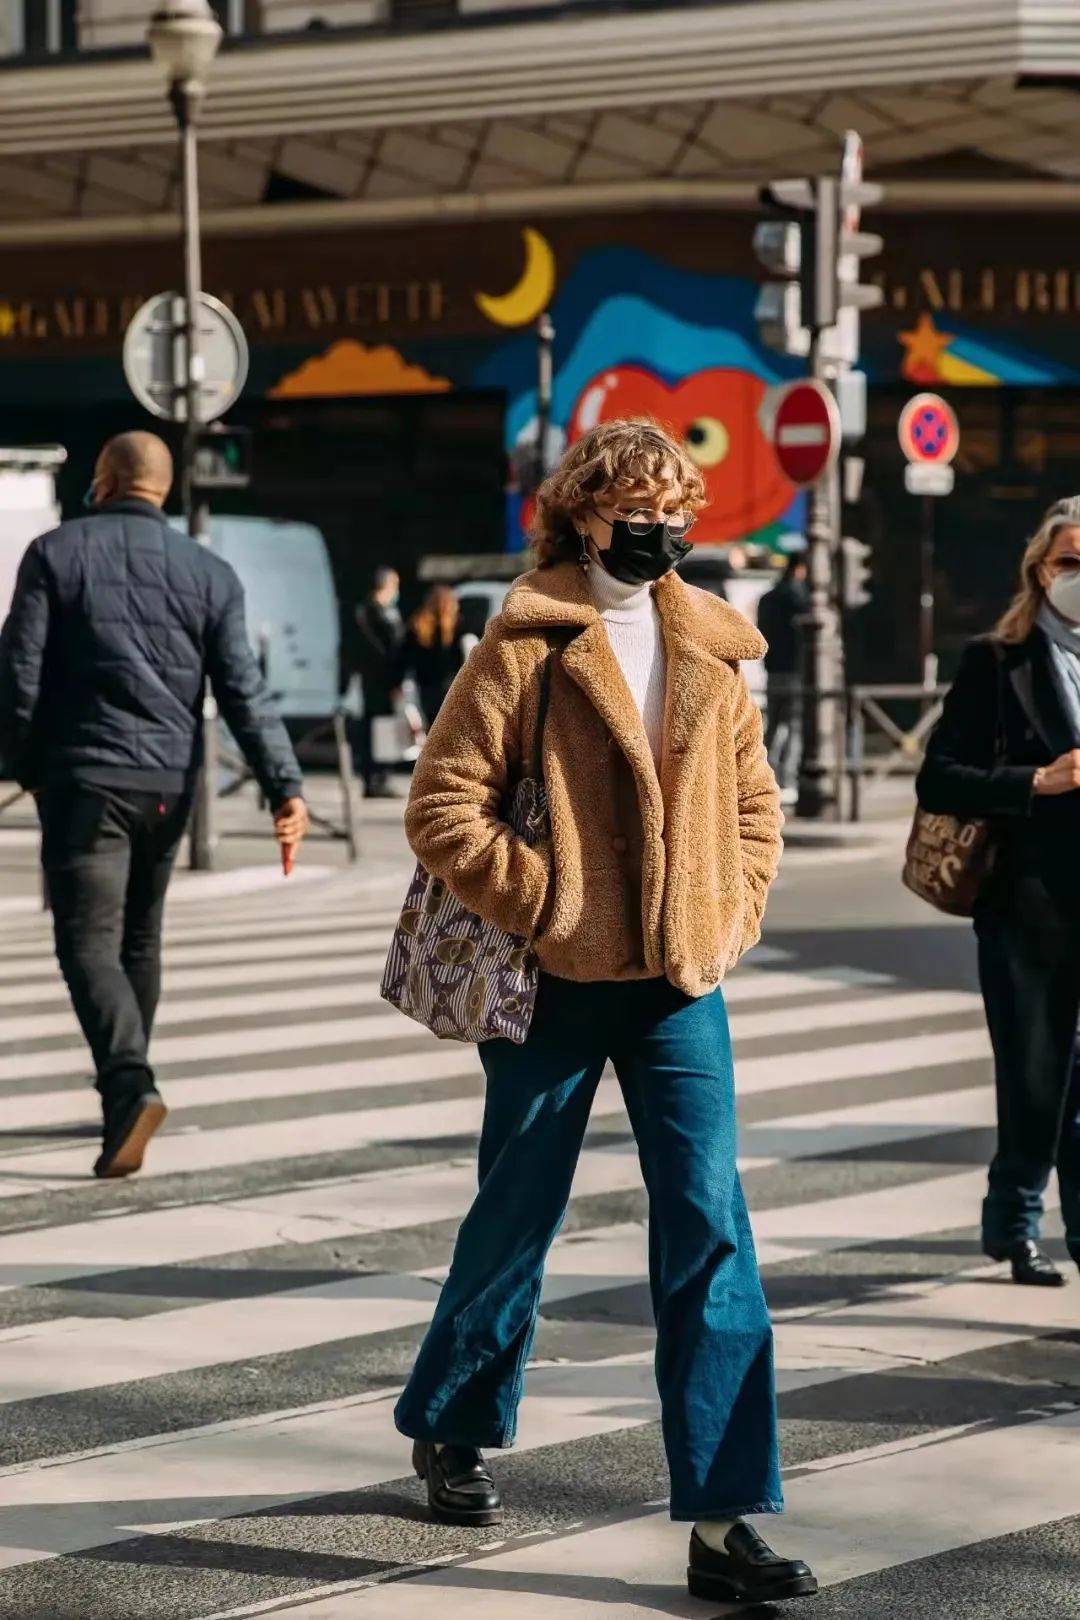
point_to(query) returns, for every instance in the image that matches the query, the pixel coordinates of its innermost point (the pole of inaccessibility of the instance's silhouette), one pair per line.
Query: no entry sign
(928, 430)
(806, 431)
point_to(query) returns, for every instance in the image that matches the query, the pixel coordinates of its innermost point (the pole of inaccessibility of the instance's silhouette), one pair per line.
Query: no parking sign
(929, 437)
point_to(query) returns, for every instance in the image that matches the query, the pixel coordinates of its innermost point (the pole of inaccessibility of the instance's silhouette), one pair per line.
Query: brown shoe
(128, 1128)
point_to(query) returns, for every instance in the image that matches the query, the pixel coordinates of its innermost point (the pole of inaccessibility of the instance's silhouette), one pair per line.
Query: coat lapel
(1032, 682)
(703, 637)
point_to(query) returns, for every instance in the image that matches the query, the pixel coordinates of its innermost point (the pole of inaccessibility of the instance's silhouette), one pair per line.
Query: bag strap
(541, 716)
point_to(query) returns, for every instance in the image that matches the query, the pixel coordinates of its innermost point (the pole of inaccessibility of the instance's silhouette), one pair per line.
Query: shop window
(410, 13)
(47, 26)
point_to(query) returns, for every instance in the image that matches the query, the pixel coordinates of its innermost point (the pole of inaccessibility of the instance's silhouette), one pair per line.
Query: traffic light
(223, 457)
(813, 244)
(854, 573)
(784, 307)
(853, 245)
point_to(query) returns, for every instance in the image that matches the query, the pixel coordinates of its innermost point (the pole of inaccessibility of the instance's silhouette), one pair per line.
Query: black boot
(1030, 1266)
(748, 1571)
(130, 1122)
(460, 1488)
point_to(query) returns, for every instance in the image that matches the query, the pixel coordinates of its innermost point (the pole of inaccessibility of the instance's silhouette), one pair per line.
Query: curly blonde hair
(632, 454)
(1018, 620)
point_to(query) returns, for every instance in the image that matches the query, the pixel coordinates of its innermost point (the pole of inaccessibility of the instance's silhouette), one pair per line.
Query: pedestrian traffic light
(853, 245)
(223, 457)
(854, 573)
(813, 244)
(780, 246)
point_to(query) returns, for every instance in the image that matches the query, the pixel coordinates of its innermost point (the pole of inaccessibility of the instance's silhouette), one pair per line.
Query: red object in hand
(287, 853)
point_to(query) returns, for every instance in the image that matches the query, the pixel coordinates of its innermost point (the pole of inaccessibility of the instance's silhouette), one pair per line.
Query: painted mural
(652, 313)
(637, 334)
(966, 357)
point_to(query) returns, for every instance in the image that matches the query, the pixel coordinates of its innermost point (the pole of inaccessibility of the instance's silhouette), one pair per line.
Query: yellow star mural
(927, 360)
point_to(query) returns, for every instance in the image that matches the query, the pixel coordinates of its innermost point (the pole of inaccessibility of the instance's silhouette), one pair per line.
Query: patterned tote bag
(463, 978)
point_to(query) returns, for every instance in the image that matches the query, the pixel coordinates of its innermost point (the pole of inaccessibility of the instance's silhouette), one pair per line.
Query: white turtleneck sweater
(632, 623)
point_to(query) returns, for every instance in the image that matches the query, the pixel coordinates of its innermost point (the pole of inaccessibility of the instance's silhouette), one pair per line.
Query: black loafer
(129, 1125)
(748, 1571)
(460, 1489)
(1030, 1266)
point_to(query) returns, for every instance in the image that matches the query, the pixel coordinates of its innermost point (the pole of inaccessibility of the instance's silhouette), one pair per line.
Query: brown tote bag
(949, 859)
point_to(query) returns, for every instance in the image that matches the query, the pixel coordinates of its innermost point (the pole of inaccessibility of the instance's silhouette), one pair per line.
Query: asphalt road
(197, 1367)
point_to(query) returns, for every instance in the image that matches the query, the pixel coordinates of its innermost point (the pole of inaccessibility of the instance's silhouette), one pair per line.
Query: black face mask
(637, 559)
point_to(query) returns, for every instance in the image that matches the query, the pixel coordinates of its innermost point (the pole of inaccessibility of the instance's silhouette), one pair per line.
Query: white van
(28, 507)
(292, 610)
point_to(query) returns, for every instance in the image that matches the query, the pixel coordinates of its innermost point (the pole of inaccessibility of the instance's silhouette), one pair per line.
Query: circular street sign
(155, 359)
(928, 430)
(806, 431)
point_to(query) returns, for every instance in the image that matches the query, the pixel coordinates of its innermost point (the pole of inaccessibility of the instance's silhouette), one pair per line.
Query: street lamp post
(183, 37)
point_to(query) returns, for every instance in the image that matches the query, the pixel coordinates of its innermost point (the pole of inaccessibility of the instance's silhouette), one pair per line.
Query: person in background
(116, 624)
(1007, 748)
(378, 620)
(778, 615)
(434, 649)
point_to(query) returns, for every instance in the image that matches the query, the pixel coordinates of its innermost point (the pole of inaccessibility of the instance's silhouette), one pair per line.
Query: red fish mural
(716, 414)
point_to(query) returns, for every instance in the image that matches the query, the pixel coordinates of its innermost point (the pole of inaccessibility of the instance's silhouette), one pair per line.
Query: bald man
(117, 622)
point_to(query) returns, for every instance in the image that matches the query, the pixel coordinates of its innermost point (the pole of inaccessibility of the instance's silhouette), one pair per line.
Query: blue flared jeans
(714, 1347)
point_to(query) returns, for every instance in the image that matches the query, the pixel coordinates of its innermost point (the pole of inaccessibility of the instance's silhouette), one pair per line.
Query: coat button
(619, 844)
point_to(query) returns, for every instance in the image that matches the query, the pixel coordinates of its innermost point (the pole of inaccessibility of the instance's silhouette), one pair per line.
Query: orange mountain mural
(349, 367)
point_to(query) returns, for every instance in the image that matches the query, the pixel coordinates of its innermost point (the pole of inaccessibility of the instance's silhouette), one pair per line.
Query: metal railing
(870, 744)
(336, 728)
(866, 713)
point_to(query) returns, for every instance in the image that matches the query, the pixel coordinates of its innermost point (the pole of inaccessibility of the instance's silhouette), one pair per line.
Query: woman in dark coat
(1008, 748)
(433, 649)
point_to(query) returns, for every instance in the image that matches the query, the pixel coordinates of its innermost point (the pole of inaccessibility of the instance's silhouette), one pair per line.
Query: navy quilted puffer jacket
(117, 619)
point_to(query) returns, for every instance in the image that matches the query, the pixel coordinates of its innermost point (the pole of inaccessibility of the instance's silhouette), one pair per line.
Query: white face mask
(1063, 595)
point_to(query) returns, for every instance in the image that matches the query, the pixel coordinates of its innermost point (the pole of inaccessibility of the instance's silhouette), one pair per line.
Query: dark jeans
(1029, 968)
(108, 854)
(373, 774)
(783, 726)
(714, 1349)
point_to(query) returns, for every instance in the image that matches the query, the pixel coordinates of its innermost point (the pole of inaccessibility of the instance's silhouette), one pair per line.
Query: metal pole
(185, 99)
(823, 646)
(185, 103)
(545, 339)
(350, 808)
(927, 661)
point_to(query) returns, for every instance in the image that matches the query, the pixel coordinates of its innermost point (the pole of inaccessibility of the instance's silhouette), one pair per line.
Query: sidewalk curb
(826, 835)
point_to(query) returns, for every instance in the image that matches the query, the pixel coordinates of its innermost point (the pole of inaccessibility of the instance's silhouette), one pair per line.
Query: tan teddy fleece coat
(647, 873)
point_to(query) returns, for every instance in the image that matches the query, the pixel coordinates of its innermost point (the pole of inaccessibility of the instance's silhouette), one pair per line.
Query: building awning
(669, 105)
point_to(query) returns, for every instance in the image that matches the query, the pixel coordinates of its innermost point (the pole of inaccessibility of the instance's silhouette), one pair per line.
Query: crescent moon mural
(524, 302)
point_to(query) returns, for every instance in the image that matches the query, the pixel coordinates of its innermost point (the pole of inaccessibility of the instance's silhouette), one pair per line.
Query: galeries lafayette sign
(269, 312)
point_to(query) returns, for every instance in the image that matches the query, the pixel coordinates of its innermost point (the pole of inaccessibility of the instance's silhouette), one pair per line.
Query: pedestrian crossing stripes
(611, 1561)
(203, 1362)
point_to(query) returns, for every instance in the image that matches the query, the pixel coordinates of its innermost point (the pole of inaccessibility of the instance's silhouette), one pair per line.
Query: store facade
(393, 379)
